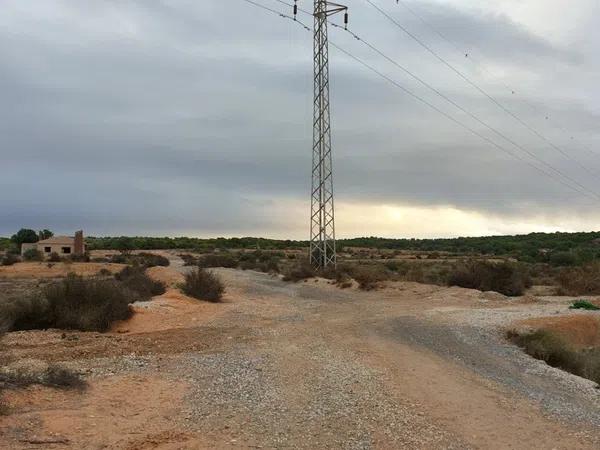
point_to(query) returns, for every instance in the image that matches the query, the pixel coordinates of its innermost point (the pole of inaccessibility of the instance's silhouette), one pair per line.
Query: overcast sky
(181, 117)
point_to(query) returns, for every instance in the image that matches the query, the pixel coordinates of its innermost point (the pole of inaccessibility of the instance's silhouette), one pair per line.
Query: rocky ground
(305, 365)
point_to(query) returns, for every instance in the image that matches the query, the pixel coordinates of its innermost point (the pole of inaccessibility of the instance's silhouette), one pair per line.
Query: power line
(458, 106)
(469, 113)
(513, 91)
(576, 187)
(481, 90)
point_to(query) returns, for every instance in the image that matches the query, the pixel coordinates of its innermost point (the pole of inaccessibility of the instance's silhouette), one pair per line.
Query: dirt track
(307, 366)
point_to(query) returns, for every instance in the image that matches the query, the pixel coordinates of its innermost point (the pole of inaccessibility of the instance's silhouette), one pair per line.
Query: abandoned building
(62, 245)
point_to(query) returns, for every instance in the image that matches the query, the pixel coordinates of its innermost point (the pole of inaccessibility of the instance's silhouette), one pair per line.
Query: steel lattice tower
(322, 222)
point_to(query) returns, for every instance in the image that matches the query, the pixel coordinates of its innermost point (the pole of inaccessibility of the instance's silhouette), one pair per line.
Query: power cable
(481, 90)
(577, 187)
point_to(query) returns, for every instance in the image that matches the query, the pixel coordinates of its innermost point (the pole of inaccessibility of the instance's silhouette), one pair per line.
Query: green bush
(136, 280)
(32, 255)
(203, 285)
(563, 259)
(217, 260)
(507, 278)
(583, 304)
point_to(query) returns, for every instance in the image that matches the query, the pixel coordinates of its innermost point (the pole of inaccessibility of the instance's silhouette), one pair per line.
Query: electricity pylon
(322, 221)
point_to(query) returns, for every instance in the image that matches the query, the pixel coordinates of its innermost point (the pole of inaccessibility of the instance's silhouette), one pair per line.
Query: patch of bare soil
(581, 330)
(54, 270)
(122, 412)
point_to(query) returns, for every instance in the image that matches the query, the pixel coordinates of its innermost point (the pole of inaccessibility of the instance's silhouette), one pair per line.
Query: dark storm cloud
(195, 117)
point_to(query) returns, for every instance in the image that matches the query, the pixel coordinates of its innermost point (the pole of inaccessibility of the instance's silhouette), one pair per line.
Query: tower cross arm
(331, 9)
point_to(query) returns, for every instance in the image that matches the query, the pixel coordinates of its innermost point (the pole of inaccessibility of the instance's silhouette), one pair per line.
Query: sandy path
(305, 365)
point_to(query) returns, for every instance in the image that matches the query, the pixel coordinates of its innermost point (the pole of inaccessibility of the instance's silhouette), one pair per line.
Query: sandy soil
(54, 270)
(580, 330)
(306, 365)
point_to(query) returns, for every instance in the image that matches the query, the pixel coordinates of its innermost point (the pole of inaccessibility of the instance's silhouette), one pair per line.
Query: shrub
(79, 258)
(86, 304)
(32, 255)
(563, 259)
(582, 304)
(54, 257)
(217, 260)
(151, 260)
(299, 272)
(136, 280)
(583, 280)
(9, 259)
(267, 262)
(52, 375)
(104, 272)
(25, 313)
(368, 277)
(189, 260)
(58, 376)
(506, 278)
(203, 285)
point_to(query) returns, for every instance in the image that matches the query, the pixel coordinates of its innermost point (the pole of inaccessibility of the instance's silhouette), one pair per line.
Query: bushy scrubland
(86, 304)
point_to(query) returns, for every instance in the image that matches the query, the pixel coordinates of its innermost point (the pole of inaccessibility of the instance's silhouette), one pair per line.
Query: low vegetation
(86, 304)
(53, 375)
(203, 285)
(9, 259)
(138, 282)
(583, 304)
(217, 260)
(299, 272)
(584, 280)
(557, 352)
(504, 277)
(140, 259)
(32, 255)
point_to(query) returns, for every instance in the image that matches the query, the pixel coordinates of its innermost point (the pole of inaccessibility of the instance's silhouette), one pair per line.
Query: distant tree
(24, 236)
(45, 234)
(125, 245)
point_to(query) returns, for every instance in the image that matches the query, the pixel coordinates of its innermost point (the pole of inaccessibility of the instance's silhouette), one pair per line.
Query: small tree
(24, 236)
(45, 234)
(125, 245)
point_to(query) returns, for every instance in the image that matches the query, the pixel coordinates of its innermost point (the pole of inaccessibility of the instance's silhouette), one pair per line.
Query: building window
(66, 250)
(47, 249)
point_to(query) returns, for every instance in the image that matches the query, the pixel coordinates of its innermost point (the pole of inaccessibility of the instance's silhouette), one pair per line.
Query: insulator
(346, 21)
(295, 10)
